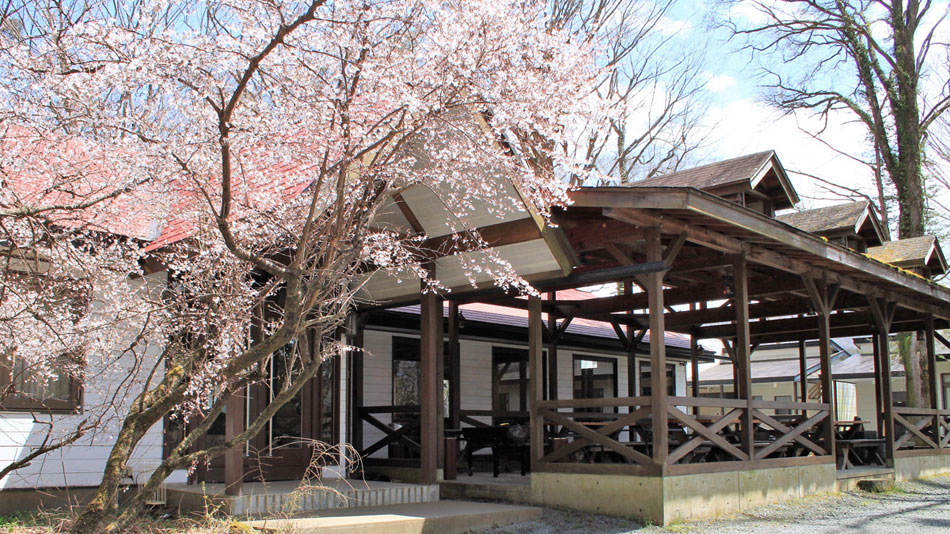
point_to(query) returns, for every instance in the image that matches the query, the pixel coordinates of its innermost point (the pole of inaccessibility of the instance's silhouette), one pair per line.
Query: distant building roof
(856, 218)
(788, 370)
(910, 253)
(750, 172)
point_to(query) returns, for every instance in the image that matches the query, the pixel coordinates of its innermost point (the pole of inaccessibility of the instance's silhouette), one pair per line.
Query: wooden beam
(408, 214)
(806, 326)
(757, 254)
(495, 235)
(535, 340)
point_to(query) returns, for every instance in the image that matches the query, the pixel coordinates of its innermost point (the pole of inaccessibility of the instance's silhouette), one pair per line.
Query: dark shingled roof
(911, 252)
(713, 175)
(828, 219)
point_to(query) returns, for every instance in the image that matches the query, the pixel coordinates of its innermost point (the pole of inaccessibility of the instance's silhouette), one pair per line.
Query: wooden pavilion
(699, 253)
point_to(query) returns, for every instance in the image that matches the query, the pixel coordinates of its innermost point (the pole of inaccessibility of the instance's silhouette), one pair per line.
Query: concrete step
(283, 498)
(444, 517)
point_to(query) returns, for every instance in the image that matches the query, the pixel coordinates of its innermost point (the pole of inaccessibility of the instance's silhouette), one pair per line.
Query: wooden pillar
(883, 312)
(234, 457)
(823, 296)
(654, 287)
(741, 351)
(827, 380)
(878, 395)
(932, 368)
(356, 384)
(440, 383)
(694, 368)
(803, 371)
(455, 367)
(631, 351)
(430, 410)
(552, 350)
(535, 341)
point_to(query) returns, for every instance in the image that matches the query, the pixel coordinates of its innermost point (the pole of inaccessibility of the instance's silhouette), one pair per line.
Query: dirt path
(918, 507)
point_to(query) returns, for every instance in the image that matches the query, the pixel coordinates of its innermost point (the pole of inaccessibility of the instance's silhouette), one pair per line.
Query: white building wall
(82, 463)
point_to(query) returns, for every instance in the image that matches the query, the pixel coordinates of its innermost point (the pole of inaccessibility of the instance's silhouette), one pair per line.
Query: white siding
(82, 463)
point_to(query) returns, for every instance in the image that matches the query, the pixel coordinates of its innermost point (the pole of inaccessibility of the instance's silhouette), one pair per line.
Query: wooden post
(535, 335)
(552, 350)
(440, 383)
(430, 318)
(356, 385)
(631, 352)
(234, 457)
(827, 380)
(823, 298)
(803, 371)
(654, 287)
(883, 312)
(878, 395)
(455, 367)
(932, 367)
(694, 369)
(741, 351)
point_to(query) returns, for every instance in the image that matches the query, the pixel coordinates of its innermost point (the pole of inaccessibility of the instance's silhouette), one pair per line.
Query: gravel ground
(921, 505)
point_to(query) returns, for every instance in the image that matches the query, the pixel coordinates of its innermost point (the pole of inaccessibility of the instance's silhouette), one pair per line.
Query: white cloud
(668, 26)
(718, 83)
(746, 126)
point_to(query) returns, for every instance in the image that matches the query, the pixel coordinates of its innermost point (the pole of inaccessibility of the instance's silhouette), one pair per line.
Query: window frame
(18, 402)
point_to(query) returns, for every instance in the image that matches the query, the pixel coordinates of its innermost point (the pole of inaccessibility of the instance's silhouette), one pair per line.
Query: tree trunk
(105, 502)
(906, 347)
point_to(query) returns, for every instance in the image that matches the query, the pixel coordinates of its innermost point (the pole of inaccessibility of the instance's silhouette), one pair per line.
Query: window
(783, 398)
(595, 378)
(22, 389)
(945, 388)
(406, 373)
(646, 388)
(509, 383)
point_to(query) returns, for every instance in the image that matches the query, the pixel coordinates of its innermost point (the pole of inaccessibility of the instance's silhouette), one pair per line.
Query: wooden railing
(720, 433)
(404, 432)
(920, 428)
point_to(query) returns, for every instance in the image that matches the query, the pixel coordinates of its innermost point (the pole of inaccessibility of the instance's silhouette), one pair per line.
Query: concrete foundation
(908, 468)
(663, 500)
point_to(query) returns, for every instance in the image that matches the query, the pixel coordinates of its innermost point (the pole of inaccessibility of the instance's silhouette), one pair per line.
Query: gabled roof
(760, 171)
(913, 252)
(856, 218)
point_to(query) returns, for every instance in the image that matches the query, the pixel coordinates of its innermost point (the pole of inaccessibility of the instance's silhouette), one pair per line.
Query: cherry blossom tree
(257, 140)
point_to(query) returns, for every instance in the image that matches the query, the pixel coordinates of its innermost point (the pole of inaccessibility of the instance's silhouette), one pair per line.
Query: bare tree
(873, 60)
(655, 90)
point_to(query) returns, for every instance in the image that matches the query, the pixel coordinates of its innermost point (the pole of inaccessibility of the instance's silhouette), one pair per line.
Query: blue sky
(740, 122)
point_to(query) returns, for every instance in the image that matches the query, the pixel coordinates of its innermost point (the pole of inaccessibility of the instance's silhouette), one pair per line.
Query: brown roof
(713, 175)
(828, 219)
(911, 252)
